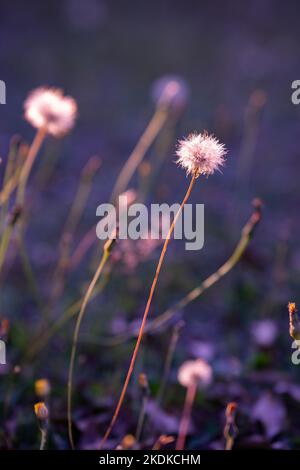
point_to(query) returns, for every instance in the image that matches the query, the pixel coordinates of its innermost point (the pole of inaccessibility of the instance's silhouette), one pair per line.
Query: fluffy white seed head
(201, 154)
(197, 372)
(48, 108)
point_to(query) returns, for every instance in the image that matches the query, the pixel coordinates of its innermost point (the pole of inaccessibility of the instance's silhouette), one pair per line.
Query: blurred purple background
(238, 60)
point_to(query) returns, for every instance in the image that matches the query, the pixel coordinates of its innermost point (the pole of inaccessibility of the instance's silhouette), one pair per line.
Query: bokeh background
(238, 60)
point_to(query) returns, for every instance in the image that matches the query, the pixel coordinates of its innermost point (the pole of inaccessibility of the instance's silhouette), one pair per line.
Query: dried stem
(43, 439)
(142, 327)
(230, 429)
(186, 416)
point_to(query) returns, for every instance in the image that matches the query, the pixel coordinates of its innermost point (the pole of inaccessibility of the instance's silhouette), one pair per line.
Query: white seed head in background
(197, 372)
(48, 108)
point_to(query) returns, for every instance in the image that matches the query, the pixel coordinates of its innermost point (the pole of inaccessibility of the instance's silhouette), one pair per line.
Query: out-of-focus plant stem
(165, 317)
(23, 178)
(186, 416)
(11, 176)
(26, 169)
(42, 339)
(43, 439)
(168, 361)
(75, 214)
(136, 157)
(144, 385)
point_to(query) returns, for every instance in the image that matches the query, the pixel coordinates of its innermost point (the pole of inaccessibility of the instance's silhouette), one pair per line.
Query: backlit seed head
(201, 154)
(197, 372)
(48, 108)
(171, 91)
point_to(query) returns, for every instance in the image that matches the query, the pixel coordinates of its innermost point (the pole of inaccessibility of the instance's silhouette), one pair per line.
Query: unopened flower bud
(41, 411)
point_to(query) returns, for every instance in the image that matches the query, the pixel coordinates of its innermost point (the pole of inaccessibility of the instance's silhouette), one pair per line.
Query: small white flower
(48, 108)
(197, 372)
(201, 154)
(171, 91)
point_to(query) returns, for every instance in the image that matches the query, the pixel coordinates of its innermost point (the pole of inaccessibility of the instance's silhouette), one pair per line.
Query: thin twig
(186, 416)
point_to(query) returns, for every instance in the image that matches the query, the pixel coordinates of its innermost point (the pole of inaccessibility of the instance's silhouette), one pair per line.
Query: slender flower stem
(186, 416)
(43, 439)
(155, 125)
(26, 169)
(142, 327)
(11, 176)
(86, 299)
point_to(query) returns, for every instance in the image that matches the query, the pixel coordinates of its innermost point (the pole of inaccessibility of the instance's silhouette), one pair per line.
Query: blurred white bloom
(48, 108)
(264, 333)
(201, 153)
(171, 90)
(197, 372)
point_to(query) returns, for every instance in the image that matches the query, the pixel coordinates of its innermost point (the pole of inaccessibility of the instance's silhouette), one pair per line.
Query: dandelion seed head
(197, 372)
(171, 90)
(48, 108)
(201, 154)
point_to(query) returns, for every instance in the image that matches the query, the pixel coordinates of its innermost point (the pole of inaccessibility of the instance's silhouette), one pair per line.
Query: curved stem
(235, 257)
(142, 327)
(105, 256)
